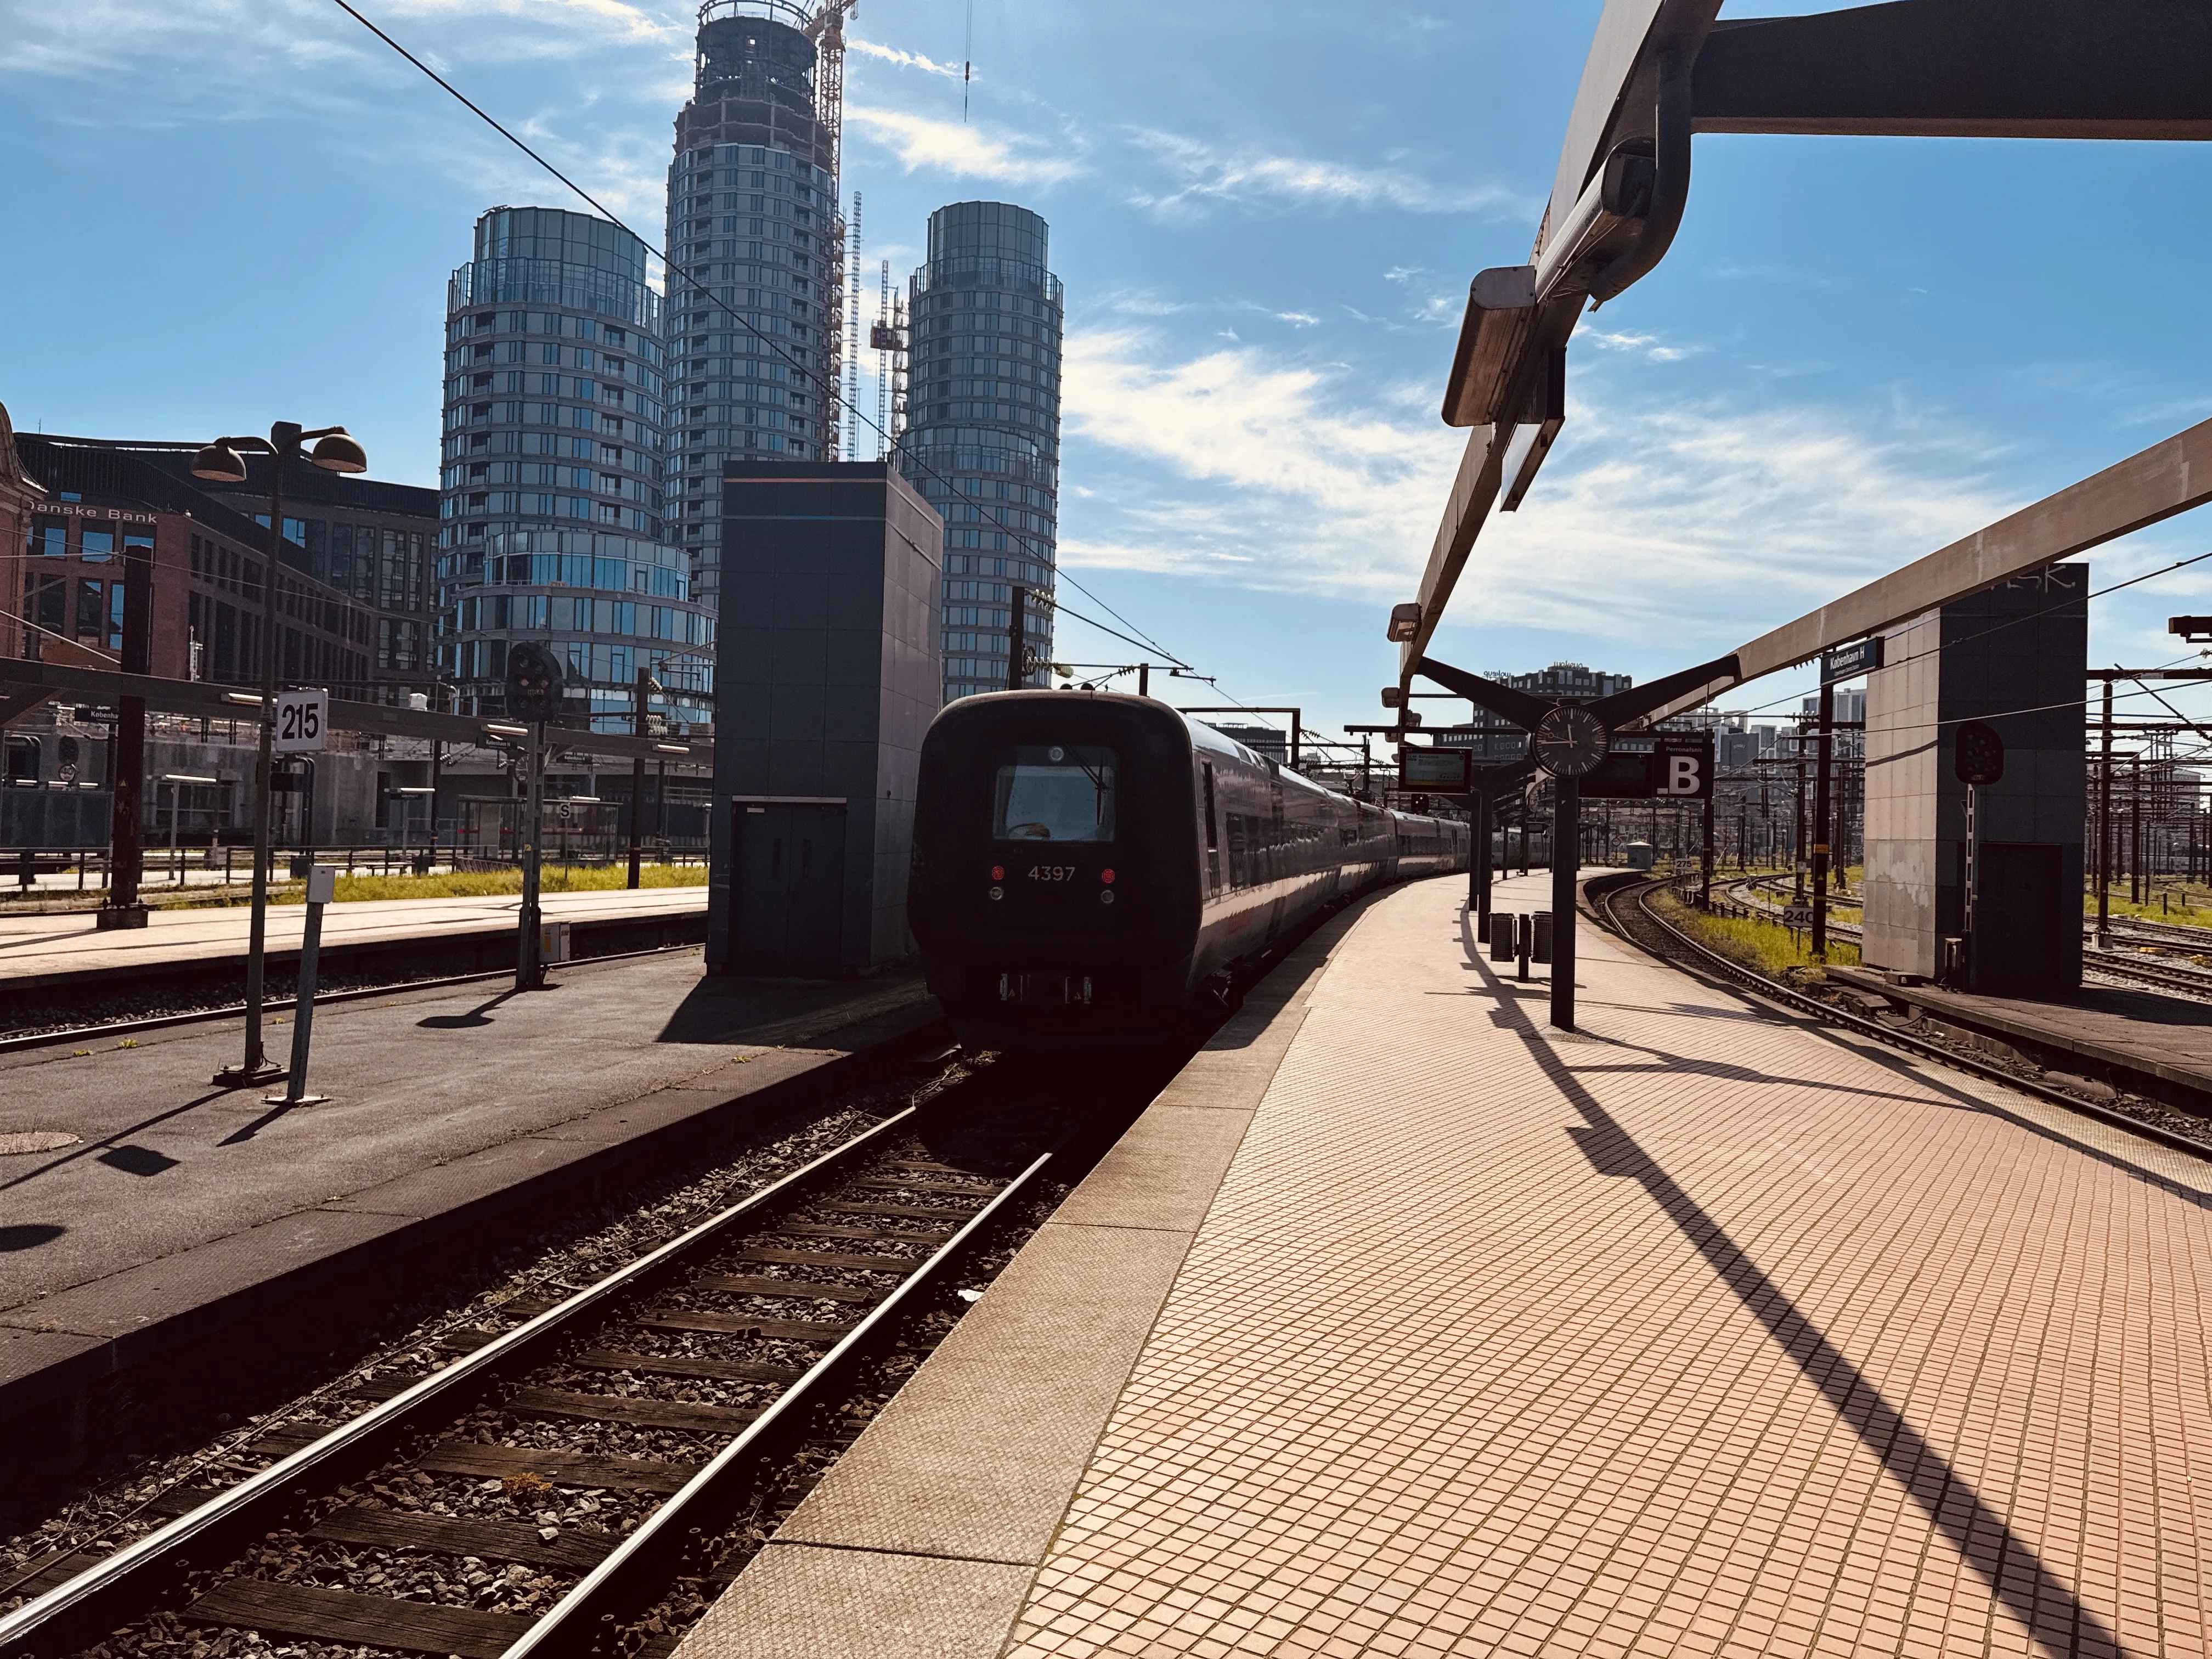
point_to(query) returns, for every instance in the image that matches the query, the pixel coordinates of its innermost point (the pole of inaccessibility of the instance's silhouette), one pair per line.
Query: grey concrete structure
(982, 436)
(2013, 655)
(757, 245)
(828, 679)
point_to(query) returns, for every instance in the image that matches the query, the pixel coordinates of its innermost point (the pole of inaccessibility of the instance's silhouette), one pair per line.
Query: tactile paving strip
(1692, 1333)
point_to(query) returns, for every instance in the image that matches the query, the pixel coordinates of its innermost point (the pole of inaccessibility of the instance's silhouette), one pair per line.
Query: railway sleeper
(348, 1616)
(686, 1319)
(584, 1470)
(635, 1412)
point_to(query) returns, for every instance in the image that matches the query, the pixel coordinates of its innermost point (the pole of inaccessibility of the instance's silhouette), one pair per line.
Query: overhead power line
(996, 516)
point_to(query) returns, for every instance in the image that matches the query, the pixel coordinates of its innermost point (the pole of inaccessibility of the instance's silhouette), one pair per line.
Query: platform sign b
(1681, 774)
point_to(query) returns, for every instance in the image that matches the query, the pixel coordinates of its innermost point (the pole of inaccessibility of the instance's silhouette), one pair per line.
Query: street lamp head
(339, 452)
(220, 462)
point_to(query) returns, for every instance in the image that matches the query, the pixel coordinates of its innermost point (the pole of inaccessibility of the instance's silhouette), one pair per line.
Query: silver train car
(1091, 869)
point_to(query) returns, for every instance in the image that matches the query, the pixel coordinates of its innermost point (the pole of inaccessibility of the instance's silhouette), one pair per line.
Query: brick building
(354, 593)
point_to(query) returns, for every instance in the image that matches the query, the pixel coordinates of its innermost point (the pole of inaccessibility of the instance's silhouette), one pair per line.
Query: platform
(43, 951)
(1401, 1324)
(2102, 1027)
(171, 1212)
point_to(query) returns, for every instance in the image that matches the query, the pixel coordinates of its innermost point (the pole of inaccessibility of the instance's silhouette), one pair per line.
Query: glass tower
(753, 229)
(551, 488)
(984, 413)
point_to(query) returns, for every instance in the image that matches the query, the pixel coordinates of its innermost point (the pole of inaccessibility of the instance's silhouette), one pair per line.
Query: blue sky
(1266, 216)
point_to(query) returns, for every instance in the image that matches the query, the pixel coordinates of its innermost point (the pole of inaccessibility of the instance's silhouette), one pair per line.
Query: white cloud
(963, 150)
(1705, 522)
(1204, 173)
(1646, 346)
(904, 59)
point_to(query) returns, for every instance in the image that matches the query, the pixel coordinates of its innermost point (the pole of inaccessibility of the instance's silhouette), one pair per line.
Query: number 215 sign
(302, 718)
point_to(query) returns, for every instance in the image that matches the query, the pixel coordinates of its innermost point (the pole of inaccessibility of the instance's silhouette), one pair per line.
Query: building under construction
(756, 241)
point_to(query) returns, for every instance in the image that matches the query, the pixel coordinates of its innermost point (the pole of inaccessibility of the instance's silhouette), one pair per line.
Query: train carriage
(1088, 868)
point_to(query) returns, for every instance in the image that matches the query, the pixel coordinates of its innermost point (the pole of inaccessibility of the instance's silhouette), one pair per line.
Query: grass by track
(1766, 947)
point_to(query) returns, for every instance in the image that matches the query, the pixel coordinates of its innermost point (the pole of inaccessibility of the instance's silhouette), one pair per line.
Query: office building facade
(554, 464)
(756, 240)
(982, 439)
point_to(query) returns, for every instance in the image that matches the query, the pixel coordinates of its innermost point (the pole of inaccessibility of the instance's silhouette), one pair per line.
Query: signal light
(1106, 876)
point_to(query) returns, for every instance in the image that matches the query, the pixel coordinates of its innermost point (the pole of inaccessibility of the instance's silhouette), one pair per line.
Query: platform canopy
(1660, 71)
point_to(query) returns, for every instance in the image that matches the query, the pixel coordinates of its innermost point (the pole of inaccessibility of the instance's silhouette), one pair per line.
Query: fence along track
(874, 1233)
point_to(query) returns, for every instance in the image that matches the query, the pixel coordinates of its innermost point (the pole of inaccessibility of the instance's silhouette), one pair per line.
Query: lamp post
(223, 461)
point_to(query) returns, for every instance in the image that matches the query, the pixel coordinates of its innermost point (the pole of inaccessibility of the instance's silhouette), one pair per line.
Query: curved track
(1627, 910)
(2119, 964)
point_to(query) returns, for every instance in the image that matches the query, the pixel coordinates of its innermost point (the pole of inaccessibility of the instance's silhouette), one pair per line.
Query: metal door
(790, 897)
(2021, 920)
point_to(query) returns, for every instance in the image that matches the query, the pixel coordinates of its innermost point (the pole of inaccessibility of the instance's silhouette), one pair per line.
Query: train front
(1055, 885)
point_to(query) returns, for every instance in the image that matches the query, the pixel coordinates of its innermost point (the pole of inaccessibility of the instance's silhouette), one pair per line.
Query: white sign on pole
(303, 719)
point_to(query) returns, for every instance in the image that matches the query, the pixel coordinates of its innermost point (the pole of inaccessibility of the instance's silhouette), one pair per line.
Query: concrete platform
(1401, 1324)
(2102, 1028)
(182, 1214)
(38, 952)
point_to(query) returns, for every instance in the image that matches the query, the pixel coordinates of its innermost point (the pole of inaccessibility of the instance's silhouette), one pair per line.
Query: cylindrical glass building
(553, 463)
(757, 241)
(984, 415)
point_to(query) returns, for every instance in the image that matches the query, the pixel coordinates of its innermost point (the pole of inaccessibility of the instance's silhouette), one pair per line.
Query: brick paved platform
(1403, 1325)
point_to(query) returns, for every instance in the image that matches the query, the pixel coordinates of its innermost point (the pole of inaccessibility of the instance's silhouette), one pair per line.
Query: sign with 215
(303, 719)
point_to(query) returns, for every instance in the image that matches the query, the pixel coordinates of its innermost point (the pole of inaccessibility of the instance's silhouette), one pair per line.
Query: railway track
(1627, 910)
(541, 1490)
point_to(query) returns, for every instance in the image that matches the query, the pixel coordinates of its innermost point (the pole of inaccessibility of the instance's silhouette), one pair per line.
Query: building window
(97, 545)
(49, 540)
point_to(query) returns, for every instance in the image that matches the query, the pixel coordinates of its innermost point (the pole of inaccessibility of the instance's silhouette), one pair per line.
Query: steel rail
(126, 1583)
(1771, 990)
(571, 1626)
(27, 1039)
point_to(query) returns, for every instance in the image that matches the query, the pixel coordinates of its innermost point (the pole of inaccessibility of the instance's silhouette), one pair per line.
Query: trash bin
(1501, 935)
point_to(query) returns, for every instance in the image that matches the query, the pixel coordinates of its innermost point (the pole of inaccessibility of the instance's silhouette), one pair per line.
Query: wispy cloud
(1649, 347)
(1202, 174)
(903, 59)
(966, 151)
(1701, 521)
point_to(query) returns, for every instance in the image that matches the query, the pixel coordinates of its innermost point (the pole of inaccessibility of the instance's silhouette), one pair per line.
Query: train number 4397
(1052, 873)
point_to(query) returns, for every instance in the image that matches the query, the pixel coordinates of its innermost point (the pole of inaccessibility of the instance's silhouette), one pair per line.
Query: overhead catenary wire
(995, 516)
(2014, 622)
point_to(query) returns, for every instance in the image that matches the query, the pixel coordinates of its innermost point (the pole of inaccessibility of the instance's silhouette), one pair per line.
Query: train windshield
(1054, 791)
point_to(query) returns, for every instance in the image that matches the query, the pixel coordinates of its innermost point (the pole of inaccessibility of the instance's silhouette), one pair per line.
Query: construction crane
(826, 30)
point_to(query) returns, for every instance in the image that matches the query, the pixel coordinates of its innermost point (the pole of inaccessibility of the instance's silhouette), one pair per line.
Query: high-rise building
(757, 241)
(982, 437)
(553, 472)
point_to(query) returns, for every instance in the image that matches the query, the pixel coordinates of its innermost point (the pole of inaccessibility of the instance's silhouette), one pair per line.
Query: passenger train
(1090, 868)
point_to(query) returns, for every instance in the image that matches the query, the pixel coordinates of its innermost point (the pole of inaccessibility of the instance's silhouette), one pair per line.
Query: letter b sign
(1680, 773)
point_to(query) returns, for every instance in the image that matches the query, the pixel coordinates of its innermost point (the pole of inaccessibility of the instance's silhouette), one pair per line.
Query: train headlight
(997, 872)
(1106, 876)
(998, 892)
(1106, 896)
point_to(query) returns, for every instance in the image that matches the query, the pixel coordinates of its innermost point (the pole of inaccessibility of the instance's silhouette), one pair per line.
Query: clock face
(1570, 741)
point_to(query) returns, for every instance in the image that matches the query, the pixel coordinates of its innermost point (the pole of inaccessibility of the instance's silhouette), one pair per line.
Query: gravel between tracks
(549, 1265)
